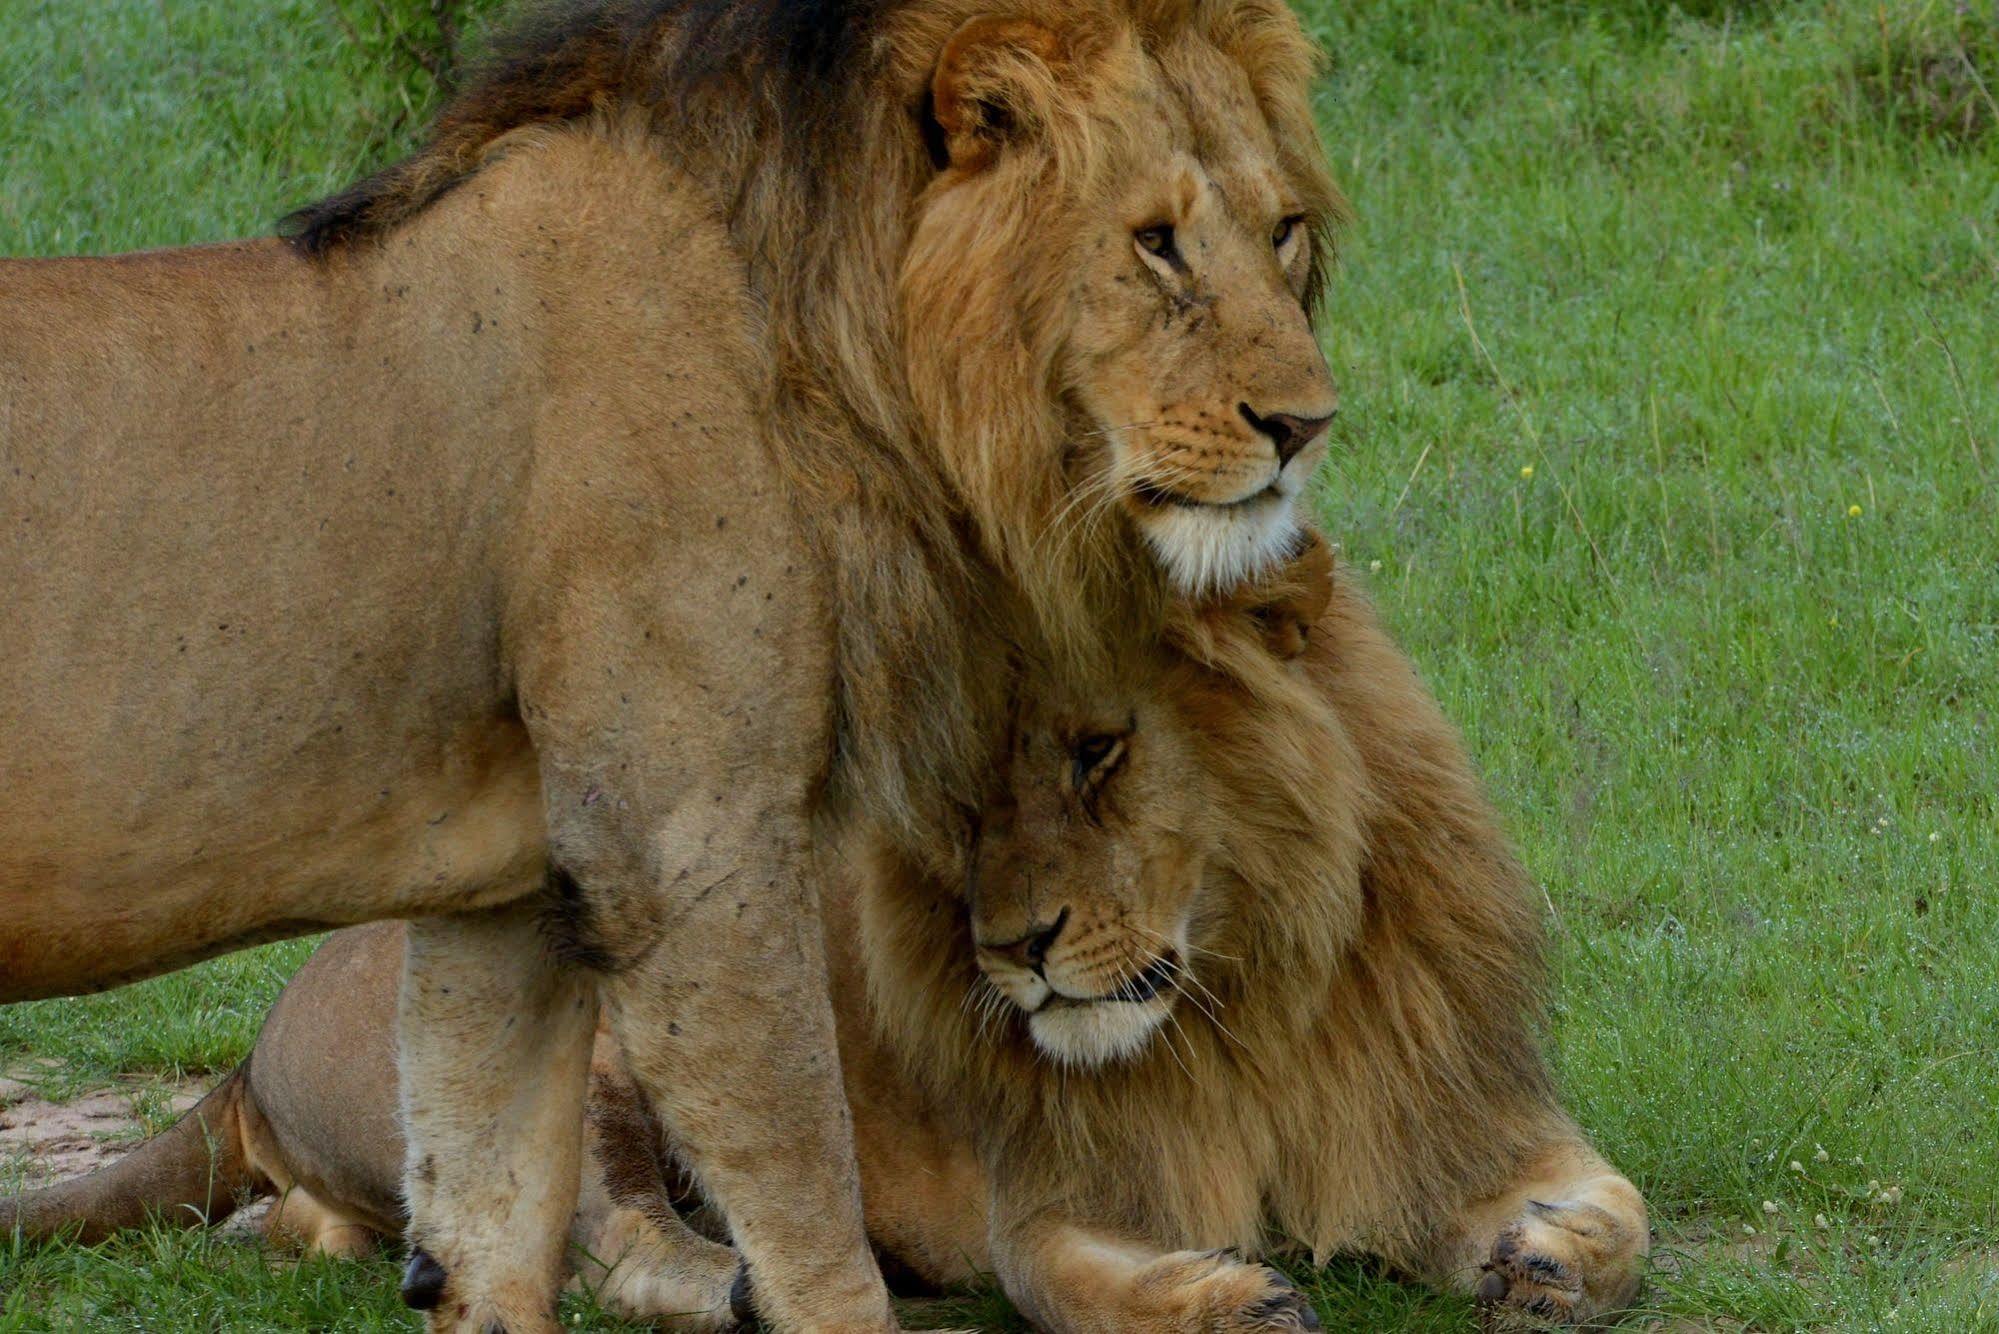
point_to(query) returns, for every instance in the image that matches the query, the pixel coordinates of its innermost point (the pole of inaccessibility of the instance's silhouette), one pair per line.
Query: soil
(46, 1140)
(43, 1141)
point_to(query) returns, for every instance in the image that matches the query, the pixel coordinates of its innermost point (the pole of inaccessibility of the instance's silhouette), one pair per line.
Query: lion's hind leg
(301, 1219)
(1566, 1241)
(642, 1266)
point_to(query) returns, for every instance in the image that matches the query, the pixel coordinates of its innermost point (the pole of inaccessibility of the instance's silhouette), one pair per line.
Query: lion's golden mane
(1367, 1056)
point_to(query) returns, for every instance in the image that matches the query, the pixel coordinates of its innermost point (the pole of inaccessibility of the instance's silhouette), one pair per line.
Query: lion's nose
(1042, 941)
(1030, 949)
(1287, 431)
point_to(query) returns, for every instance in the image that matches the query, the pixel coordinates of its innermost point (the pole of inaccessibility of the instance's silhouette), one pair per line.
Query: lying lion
(1239, 964)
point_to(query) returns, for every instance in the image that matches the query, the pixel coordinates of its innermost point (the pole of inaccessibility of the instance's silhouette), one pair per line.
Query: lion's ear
(1295, 599)
(1270, 615)
(1286, 603)
(993, 81)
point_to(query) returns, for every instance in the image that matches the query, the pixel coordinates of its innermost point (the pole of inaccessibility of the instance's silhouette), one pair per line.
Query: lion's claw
(1285, 1309)
(1562, 1263)
(1523, 1278)
(1219, 1292)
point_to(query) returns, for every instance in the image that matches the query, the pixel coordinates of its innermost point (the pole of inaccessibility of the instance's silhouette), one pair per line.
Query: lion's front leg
(1566, 1242)
(1079, 1280)
(495, 1042)
(728, 1028)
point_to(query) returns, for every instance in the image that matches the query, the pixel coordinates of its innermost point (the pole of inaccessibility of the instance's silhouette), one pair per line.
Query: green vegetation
(1670, 340)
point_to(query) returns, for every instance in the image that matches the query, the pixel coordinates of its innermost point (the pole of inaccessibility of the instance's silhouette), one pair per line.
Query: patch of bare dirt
(43, 1142)
(51, 1140)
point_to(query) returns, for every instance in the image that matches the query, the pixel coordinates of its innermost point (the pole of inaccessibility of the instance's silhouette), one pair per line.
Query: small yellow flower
(1853, 511)
(1526, 471)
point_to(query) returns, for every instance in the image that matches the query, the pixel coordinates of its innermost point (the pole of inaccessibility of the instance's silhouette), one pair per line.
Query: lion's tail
(193, 1174)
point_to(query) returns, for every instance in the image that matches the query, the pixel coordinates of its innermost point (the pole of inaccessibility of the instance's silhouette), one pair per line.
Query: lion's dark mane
(786, 69)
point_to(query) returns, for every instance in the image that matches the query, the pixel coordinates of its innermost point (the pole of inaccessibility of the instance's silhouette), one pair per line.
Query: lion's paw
(1563, 1262)
(1216, 1291)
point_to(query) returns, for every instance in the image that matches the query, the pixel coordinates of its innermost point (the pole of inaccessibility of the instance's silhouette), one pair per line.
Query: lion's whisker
(1181, 970)
(1211, 1007)
(1086, 503)
(988, 1001)
(1113, 430)
(1174, 972)
(1092, 500)
(1174, 1020)
(1189, 946)
(1215, 1004)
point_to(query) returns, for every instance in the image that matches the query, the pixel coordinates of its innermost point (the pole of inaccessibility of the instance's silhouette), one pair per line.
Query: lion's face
(1191, 354)
(1128, 226)
(1088, 874)
(1135, 827)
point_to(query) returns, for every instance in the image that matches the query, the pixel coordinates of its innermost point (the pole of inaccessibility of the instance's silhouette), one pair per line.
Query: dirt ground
(47, 1141)
(43, 1141)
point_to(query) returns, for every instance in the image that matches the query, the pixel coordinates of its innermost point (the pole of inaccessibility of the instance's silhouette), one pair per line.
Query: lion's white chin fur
(1084, 1036)
(1205, 549)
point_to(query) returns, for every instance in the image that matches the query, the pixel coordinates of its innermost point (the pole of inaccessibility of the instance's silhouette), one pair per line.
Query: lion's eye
(1093, 758)
(1281, 233)
(1156, 240)
(1092, 751)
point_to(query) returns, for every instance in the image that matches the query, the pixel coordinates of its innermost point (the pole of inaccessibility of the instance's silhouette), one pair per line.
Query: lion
(566, 526)
(1211, 987)
(1245, 966)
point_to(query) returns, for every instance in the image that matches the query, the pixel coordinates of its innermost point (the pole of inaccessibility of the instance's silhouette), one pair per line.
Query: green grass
(1718, 275)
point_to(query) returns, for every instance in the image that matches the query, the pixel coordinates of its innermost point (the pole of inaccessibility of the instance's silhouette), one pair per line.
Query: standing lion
(639, 482)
